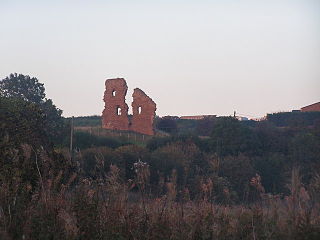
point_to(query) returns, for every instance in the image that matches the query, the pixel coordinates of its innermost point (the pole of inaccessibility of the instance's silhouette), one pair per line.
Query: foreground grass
(108, 209)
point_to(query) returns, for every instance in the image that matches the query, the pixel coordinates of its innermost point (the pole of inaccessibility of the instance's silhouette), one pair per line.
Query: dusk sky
(191, 57)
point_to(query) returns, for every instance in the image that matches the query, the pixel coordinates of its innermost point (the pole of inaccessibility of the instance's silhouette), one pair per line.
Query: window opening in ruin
(139, 110)
(114, 93)
(118, 111)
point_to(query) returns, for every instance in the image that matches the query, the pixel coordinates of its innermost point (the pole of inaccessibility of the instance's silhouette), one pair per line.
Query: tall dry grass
(109, 208)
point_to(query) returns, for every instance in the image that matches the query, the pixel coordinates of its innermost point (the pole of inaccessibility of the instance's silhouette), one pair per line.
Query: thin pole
(71, 138)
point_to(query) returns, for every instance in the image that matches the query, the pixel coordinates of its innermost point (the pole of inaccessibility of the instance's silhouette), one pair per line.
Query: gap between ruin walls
(115, 114)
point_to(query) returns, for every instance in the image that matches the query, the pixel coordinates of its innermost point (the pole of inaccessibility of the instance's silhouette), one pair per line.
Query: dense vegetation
(89, 121)
(243, 180)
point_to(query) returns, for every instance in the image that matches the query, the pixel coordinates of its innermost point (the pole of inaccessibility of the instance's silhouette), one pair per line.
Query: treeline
(86, 121)
(294, 119)
(230, 157)
(204, 127)
(241, 181)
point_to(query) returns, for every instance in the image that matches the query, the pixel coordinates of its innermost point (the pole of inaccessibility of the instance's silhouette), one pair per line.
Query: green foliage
(24, 91)
(205, 126)
(304, 151)
(157, 142)
(129, 155)
(21, 122)
(24, 87)
(83, 140)
(176, 156)
(86, 211)
(272, 168)
(167, 124)
(230, 137)
(238, 170)
(88, 121)
(186, 126)
(268, 139)
(294, 119)
(44, 224)
(95, 162)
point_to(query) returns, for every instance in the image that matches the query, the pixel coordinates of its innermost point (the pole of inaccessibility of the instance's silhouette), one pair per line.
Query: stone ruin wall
(144, 111)
(115, 114)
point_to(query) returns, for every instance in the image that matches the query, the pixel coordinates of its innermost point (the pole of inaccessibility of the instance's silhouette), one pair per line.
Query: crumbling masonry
(115, 114)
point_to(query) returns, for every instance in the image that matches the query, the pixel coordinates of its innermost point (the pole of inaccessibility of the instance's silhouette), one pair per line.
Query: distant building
(311, 108)
(259, 119)
(242, 118)
(197, 117)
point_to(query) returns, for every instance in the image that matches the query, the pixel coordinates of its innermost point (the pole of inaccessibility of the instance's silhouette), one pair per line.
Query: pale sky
(190, 56)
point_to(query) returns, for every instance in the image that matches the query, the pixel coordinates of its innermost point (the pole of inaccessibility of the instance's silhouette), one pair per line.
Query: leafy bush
(83, 140)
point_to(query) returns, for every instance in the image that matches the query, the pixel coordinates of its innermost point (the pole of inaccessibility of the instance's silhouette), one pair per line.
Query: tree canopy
(23, 86)
(20, 93)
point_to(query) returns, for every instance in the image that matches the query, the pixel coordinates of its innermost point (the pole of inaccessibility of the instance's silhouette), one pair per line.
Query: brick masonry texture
(115, 113)
(144, 110)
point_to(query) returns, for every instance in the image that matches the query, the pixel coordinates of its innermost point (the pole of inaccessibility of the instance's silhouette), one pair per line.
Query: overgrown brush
(109, 208)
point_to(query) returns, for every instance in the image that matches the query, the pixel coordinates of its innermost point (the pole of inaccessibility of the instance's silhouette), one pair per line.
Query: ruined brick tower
(144, 111)
(115, 113)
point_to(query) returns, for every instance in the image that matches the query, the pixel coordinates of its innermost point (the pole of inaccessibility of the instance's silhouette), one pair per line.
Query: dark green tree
(271, 168)
(230, 137)
(26, 162)
(238, 170)
(23, 86)
(29, 90)
(21, 122)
